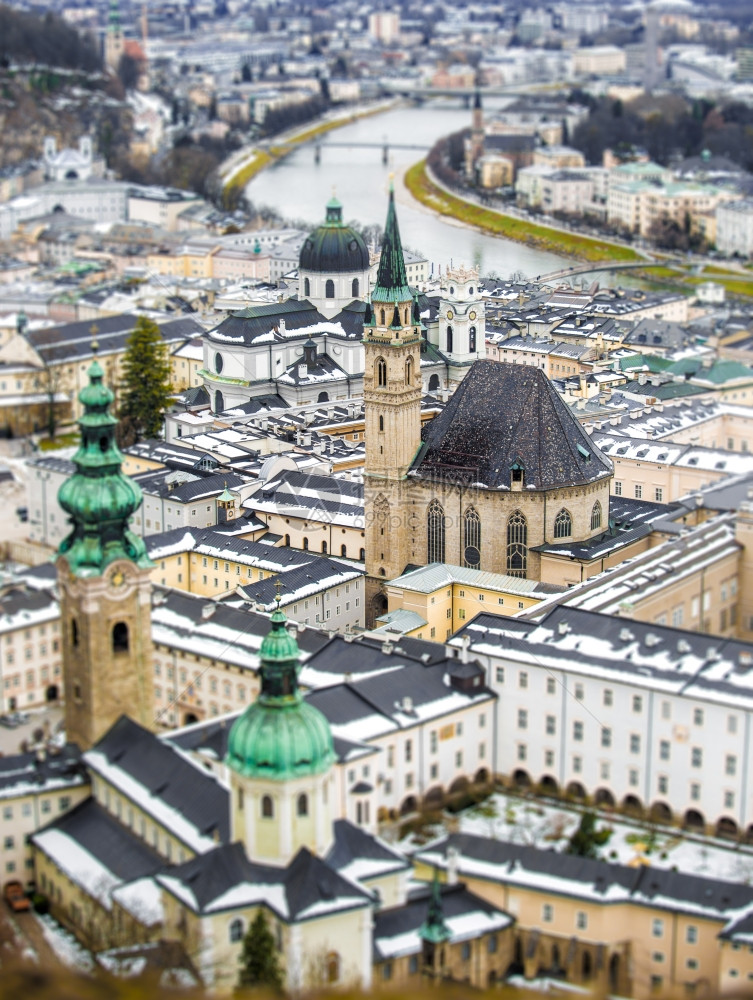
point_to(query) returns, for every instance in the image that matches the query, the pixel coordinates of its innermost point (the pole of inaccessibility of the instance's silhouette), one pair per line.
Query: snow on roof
(79, 865)
(143, 899)
(464, 927)
(168, 817)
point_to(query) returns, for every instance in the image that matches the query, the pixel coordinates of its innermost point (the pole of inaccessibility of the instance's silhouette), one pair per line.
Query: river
(298, 188)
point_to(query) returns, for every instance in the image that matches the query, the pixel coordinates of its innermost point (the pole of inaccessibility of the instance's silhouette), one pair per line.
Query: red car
(15, 896)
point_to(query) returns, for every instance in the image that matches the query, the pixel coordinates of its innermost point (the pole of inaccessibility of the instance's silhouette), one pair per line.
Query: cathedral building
(310, 349)
(503, 470)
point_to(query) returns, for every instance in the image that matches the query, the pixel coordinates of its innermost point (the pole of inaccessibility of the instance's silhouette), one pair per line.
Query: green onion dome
(98, 498)
(334, 248)
(280, 736)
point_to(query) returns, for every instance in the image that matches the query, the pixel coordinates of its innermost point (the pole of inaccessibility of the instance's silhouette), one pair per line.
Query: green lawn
(59, 441)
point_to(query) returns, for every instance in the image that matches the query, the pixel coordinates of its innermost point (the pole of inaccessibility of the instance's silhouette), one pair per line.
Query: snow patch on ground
(524, 821)
(64, 944)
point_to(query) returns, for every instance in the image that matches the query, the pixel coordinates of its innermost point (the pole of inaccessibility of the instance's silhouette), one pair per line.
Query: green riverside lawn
(561, 242)
(541, 237)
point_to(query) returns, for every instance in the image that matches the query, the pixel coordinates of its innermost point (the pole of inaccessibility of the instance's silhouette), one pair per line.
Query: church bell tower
(104, 583)
(392, 397)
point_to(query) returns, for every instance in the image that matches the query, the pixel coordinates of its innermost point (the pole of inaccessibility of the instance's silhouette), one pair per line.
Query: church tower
(392, 397)
(114, 40)
(104, 583)
(280, 758)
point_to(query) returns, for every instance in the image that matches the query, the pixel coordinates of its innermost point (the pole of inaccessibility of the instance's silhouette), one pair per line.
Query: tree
(587, 839)
(260, 966)
(146, 386)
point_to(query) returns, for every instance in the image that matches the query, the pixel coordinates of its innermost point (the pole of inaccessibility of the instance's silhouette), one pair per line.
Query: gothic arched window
(517, 545)
(563, 524)
(354, 288)
(329, 289)
(472, 339)
(219, 402)
(381, 371)
(381, 422)
(120, 637)
(435, 526)
(409, 371)
(267, 807)
(596, 516)
(381, 316)
(235, 930)
(302, 805)
(472, 539)
(74, 632)
(449, 338)
(306, 287)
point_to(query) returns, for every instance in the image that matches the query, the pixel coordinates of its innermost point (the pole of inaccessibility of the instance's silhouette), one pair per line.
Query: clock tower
(461, 329)
(104, 583)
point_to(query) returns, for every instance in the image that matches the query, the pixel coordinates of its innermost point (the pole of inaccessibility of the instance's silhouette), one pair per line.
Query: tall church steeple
(114, 41)
(392, 396)
(104, 581)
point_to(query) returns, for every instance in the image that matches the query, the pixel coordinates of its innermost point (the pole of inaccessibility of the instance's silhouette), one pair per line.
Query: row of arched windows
(516, 554)
(471, 339)
(329, 288)
(380, 371)
(268, 806)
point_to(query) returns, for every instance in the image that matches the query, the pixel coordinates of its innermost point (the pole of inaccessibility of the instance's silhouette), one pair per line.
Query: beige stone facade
(107, 649)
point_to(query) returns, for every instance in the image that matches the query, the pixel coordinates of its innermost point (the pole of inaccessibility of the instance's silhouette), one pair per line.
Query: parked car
(9, 721)
(15, 897)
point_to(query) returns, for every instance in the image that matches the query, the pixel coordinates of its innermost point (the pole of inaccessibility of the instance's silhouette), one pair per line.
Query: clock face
(472, 314)
(450, 314)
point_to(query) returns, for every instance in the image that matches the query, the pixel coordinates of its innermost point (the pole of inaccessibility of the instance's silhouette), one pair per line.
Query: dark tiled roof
(510, 143)
(501, 415)
(72, 340)
(165, 773)
(245, 326)
(457, 901)
(643, 884)
(351, 316)
(306, 881)
(387, 693)
(354, 844)
(155, 483)
(317, 570)
(22, 769)
(110, 842)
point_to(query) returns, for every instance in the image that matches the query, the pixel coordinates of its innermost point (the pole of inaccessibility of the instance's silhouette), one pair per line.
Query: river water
(298, 188)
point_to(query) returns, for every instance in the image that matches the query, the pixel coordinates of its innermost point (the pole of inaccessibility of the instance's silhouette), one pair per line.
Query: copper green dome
(280, 736)
(98, 498)
(334, 248)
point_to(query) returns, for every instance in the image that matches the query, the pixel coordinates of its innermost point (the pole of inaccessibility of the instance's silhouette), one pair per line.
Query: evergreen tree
(586, 840)
(260, 968)
(146, 385)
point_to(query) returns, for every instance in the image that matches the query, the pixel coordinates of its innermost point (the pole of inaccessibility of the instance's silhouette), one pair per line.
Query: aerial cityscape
(376, 453)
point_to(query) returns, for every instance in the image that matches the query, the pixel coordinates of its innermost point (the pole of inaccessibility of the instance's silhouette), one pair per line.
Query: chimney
(452, 866)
